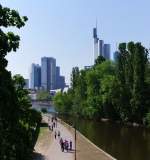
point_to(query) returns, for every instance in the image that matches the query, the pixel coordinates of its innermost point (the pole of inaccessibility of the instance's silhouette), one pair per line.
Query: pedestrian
(62, 146)
(66, 145)
(54, 124)
(58, 134)
(52, 127)
(55, 135)
(70, 145)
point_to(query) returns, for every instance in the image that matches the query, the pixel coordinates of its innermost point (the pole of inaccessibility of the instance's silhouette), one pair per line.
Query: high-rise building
(101, 47)
(35, 76)
(48, 73)
(60, 80)
(57, 76)
(106, 51)
(95, 43)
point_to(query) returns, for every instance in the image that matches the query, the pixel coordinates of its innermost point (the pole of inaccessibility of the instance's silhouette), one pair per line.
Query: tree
(99, 60)
(14, 103)
(43, 95)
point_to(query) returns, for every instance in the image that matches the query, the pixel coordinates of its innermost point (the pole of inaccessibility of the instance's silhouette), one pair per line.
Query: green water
(122, 142)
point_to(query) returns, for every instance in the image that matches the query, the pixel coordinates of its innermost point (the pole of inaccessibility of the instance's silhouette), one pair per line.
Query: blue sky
(63, 29)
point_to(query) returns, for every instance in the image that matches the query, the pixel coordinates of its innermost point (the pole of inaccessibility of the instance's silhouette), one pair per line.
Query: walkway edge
(107, 154)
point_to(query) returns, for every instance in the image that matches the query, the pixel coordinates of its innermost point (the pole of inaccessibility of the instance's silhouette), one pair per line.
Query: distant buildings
(47, 76)
(35, 76)
(48, 73)
(60, 80)
(106, 54)
(100, 49)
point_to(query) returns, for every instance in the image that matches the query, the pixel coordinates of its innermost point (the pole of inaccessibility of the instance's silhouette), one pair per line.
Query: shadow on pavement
(38, 156)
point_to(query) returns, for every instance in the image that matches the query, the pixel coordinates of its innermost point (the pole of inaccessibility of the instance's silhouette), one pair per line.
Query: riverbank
(49, 148)
(86, 150)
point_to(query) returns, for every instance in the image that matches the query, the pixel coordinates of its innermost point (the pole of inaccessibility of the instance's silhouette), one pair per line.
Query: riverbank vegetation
(117, 90)
(19, 123)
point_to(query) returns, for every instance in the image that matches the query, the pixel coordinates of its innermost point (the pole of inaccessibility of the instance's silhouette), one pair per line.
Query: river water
(122, 142)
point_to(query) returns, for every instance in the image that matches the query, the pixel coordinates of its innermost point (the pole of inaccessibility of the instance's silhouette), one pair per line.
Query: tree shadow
(38, 156)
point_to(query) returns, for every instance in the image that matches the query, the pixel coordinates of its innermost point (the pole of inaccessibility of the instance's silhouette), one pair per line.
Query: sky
(63, 29)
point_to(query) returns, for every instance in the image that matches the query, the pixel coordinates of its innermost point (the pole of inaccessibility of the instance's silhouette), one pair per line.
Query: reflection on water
(122, 142)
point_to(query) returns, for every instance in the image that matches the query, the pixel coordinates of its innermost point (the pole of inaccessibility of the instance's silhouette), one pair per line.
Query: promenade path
(51, 150)
(86, 150)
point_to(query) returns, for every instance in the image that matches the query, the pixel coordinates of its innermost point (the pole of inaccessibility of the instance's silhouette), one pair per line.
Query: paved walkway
(53, 151)
(86, 150)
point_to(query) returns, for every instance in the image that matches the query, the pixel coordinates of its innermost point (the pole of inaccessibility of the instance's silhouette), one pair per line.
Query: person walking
(62, 145)
(66, 145)
(58, 134)
(70, 147)
(55, 134)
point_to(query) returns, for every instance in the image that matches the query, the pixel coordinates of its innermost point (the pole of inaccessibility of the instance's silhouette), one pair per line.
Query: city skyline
(46, 75)
(71, 43)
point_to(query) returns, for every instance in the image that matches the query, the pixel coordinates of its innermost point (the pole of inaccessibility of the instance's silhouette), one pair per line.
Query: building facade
(48, 73)
(106, 51)
(96, 40)
(35, 76)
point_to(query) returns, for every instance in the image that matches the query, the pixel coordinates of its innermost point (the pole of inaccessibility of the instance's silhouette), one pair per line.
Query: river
(122, 142)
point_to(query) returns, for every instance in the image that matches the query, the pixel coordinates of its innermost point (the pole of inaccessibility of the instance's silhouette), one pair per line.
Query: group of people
(53, 123)
(64, 144)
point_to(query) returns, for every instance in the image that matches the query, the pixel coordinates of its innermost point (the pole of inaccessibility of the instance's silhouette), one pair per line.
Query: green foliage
(99, 60)
(117, 91)
(16, 115)
(63, 102)
(43, 95)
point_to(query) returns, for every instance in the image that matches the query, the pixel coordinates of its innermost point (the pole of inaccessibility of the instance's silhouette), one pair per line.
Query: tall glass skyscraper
(48, 73)
(107, 51)
(95, 43)
(101, 48)
(35, 76)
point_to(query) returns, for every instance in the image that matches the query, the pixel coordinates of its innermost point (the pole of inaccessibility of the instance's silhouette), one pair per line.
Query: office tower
(57, 76)
(35, 76)
(115, 55)
(60, 80)
(107, 51)
(101, 47)
(95, 43)
(26, 84)
(48, 73)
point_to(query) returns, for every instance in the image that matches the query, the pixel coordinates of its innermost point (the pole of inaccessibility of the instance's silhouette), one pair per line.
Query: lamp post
(75, 141)
(75, 135)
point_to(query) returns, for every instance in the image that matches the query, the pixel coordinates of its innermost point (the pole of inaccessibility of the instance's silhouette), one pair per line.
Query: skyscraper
(48, 73)
(95, 43)
(35, 76)
(60, 80)
(106, 51)
(101, 48)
